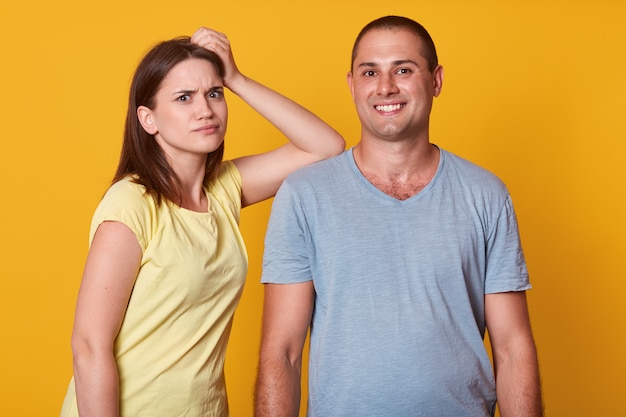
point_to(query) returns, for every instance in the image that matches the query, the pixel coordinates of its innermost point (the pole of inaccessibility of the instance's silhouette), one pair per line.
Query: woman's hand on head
(218, 43)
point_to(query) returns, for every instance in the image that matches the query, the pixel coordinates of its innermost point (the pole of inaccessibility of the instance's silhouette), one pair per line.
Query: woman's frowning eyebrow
(191, 92)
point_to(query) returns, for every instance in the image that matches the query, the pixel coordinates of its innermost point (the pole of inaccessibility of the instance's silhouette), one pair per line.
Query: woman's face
(190, 113)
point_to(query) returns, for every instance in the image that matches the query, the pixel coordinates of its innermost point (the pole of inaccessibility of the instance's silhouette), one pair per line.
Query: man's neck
(400, 170)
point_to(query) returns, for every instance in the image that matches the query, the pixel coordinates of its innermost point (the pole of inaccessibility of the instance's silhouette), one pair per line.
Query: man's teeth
(389, 107)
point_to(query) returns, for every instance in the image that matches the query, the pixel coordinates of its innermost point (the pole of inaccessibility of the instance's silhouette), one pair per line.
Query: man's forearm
(277, 391)
(519, 389)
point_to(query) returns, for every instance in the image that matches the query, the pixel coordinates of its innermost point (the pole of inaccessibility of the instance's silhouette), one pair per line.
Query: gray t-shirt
(398, 321)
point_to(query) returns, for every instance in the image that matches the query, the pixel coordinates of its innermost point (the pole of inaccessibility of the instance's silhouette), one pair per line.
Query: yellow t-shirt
(171, 345)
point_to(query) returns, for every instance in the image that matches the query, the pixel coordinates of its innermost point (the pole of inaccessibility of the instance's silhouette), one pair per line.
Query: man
(398, 255)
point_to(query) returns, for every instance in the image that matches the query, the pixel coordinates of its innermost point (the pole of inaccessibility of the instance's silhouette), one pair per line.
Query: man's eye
(369, 73)
(404, 71)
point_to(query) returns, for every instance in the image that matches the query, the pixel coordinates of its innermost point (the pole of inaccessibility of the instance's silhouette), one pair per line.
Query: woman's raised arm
(310, 138)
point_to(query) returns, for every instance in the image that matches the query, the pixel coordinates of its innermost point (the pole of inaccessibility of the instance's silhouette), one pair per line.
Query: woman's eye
(216, 94)
(184, 97)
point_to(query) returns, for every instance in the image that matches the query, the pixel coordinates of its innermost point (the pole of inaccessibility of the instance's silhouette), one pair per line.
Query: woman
(167, 263)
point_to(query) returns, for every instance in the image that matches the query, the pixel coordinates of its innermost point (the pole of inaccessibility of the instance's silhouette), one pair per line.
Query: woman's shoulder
(127, 202)
(126, 198)
(127, 187)
(227, 183)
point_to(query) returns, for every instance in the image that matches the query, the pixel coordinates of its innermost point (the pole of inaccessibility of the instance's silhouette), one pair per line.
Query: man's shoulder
(469, 172)
(321, 170)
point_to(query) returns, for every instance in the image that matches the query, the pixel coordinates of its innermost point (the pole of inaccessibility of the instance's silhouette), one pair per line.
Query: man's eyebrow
(405, 61)
(395, 63)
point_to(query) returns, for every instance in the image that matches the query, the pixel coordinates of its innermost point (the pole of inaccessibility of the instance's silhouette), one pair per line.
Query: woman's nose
(204, 109)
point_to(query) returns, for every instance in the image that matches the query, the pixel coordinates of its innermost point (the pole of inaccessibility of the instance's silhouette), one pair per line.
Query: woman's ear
(144, 114)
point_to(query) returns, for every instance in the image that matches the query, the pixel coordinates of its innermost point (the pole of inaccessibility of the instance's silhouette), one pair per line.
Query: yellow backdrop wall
(534, 91)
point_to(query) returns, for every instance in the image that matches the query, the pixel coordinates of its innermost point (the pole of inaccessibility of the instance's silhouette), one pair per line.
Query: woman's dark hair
(141, 155)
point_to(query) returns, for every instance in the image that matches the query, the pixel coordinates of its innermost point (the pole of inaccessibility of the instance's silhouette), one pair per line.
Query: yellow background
(534, 91)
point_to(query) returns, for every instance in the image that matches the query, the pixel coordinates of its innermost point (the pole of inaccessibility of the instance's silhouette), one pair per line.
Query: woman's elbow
(337, 145)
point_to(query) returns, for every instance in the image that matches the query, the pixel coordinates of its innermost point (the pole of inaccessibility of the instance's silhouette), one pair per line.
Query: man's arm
(287, 314)
(514, 354)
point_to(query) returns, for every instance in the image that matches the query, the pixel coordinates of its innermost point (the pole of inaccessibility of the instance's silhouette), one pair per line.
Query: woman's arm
(108, 279)
(310, 138)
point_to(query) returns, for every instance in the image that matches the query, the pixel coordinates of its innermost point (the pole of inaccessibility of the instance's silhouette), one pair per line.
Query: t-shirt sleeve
(506, 266)
(127, 203)
(287, 241)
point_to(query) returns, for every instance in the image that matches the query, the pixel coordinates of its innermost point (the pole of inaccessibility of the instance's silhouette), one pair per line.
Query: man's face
(391, 85)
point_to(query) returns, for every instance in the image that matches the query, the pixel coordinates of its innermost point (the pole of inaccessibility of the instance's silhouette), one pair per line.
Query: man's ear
(438, 80)
(144, 114)
(350, 81)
